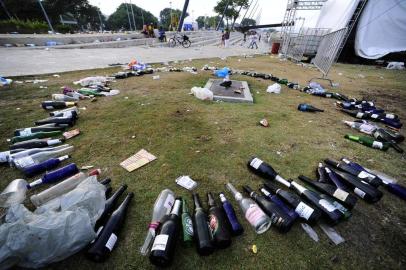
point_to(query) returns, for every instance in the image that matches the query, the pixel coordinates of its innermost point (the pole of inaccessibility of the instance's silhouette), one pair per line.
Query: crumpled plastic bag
(316, 88)
(222, 73)
(54, 231)
(274, 88)
(202, 93)
(5, 82)
(96, 80)
(395, 65)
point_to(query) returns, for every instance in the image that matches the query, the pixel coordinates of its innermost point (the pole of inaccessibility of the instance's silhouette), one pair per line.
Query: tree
(119, 19)
(165, 17)
(231, 7)
(213, 22)
(81, 10)
(248, 22)
(201, 21)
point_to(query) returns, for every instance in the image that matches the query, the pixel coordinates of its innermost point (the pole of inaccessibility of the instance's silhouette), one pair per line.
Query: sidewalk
(21, 62)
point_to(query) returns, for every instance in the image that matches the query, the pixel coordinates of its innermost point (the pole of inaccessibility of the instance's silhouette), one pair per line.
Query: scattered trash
(202, 93)
(238, 91)
(274, 88)
(43, 87)
(340, 74)
(310, 232)
(254, 249)
(264, 122)
(335, 84)
(331, 233)
(186, 182)
(56, 75)
(361, 76)
(5, 82)
(55, 230)
(155, 77)
(89, 81)
(125, 97)
(86, 167)
(18, 108)
(71, 133)
(396, 65)
(138, 160)
(222, 73)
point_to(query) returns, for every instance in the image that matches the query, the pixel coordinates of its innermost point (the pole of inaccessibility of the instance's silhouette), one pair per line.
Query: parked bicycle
(180, 39)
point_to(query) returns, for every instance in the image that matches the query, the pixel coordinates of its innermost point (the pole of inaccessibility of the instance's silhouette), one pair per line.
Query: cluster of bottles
(35, 149)
(366, 110)
(332, 195)
(109, 224)
(131, 73)
(171, 220)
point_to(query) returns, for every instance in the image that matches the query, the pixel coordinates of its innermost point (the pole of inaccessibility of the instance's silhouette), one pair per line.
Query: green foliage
(248, 22)
(23, 27)
(201, 21)
(119, 19)
(61, 28)
(165, 17)
(81, 10)
(232, 10)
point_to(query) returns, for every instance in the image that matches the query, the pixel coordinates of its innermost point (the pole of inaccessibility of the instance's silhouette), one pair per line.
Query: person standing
(222, 38)
(226, 38)
(253, 39)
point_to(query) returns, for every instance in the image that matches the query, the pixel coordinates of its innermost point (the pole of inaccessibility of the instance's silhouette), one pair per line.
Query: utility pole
(100, 18)
(183, 15)
(46, 17)
(132, 12)
(222, 16)
(128, 15)
(170, 8)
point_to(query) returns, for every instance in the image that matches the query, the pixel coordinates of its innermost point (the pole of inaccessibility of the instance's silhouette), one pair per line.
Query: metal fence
(305, 43)
(328, 50)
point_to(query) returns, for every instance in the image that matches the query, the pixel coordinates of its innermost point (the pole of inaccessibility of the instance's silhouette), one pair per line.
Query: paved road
(24, 61)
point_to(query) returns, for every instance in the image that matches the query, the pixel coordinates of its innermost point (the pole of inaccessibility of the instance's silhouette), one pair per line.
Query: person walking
(222, 38)
(226, 38)
(253, 41)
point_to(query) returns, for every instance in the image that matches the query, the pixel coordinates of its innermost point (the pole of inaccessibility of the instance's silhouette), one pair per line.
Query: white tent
(381, 27)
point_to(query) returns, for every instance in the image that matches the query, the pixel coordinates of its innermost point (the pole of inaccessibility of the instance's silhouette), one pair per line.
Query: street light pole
(46, 17)
(128, 15)
(170, 8)
(132, 12)
(100, 18)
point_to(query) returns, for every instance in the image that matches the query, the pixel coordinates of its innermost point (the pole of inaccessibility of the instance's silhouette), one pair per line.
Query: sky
(272, 10)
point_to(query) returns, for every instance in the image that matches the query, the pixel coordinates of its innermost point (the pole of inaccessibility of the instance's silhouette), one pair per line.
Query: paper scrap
(138, 160)
(71, 133)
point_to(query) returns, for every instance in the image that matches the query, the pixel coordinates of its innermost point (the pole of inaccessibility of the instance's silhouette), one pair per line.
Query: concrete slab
(229, 94)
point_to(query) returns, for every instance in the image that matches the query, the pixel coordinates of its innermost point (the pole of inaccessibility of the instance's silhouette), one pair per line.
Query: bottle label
(374, 116)
(364, 174)
(213, 224)
(340, 194)
(49, 107)
(25, 132)
(255, 163)
(169, 203)
(359, 192)
(326, 205)
(390, 116)
(160, 242)
(377, 145)
(304, 210)
(359, 115)
(111, 242)
(254, 214)
(24, 162)
(328, 95)
(188, 226)
(367, 128)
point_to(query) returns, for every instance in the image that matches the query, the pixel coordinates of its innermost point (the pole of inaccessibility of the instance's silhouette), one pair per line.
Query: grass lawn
(212, 142)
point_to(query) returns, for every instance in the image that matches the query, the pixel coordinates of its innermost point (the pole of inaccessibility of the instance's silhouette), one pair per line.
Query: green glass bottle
(89, 92)
(187, 224)
(368, 142)
(37, 135)
(283, 81)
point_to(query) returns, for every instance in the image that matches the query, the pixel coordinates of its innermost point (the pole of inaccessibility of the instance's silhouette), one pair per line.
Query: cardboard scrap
(138, 160)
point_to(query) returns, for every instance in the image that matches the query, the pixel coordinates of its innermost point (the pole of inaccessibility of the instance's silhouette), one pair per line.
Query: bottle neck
(62, 158)
(237, 195)
(176, 207)
(222, 197)
(211, 201)
(184, 206)
(298, 187)
(197, 202)
(266, 192)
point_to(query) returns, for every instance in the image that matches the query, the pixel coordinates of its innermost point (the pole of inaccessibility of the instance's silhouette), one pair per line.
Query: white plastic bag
(54, 231)
(395, 65)
(202, 93)
(96, 80)
(274, 88)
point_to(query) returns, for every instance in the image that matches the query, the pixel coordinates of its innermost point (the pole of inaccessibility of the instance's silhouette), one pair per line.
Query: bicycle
(181, 39)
